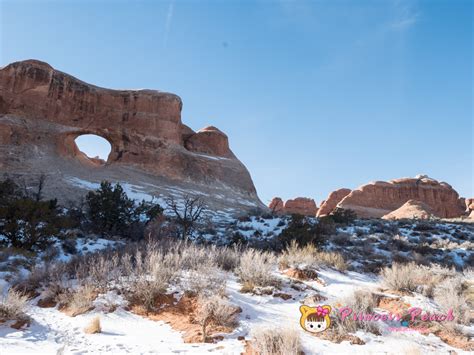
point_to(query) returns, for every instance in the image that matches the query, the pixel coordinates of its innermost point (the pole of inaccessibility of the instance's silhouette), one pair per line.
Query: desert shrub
(12, 306)
(111, 212)
(227, 258)
(204, 280)
(342, 239)
(80, 300)
(331, 259)
(402, 277)
(94, 326)
(343, 216)
(361, 302)
(215, 310)
(149, 277)
(276, 341)
(256, 269)
(304, 231)
(309, 257)
(449, 294)
(29, 224)
(9, 191)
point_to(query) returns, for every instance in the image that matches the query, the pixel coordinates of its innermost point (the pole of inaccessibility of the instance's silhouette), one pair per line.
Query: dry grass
(256, 269)
(12, 306)
(215, 310)
(94, 326)
(450, 295)
(81, 300)
(276, 341)
(309, 257)
(402, 277)
(361, 302)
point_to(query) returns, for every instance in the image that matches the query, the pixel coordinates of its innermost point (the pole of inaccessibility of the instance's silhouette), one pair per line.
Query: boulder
(379, 198)
(300, 205)
(411, 209)
(328, 205)
(43, 111)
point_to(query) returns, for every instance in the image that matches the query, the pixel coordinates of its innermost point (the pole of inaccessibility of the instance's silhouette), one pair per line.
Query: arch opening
(95, 148)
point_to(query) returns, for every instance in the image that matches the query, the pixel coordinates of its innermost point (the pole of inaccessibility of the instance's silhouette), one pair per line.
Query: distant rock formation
(378, 199)
(276, 205)
(300, 205)
(411, 209)
(469, 204)
(328, 205)
(43, 111)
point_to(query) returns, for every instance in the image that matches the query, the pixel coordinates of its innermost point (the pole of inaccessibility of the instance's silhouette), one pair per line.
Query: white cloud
(169, 19)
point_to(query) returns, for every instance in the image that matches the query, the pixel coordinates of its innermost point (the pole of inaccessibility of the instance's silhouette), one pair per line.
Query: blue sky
(314, 95)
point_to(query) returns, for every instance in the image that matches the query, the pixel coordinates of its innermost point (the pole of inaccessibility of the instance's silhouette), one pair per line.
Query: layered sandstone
(300, 205)
(412, 209)
(43, 110)
(328, 205)
(377, 199)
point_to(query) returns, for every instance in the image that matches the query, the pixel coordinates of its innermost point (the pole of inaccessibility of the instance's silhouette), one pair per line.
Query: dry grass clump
(450, 295)
(402, 277)
(206, 279)
(94, 326)
(361, 302)
(276, 341)
(12, 306)
(79, 301)
(215, 310)
(309, 257)
(256, 269)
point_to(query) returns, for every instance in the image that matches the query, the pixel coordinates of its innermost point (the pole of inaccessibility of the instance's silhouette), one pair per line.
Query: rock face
(328, 205)
(411, 209)
(377, 199)
(276, 205)
(300, 205)
(43, 110)
(469, 204)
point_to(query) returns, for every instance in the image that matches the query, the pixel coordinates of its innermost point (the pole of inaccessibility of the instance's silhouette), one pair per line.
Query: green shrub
(304, 231)
(112, 212)
(29, 224)
(343, 216)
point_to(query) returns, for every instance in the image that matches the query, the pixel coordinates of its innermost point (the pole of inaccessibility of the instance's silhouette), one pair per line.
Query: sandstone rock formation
(43, 110)
(276, 205)
(300, 205)
(411, 209)
(469, 204)
(328, 205)
(377, 199)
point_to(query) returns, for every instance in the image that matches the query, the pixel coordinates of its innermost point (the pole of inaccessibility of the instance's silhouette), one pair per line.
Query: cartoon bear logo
(315, 319)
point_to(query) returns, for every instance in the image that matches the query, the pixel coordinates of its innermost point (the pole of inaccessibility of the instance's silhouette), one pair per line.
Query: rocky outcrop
(377, 199)
(276, 205)
(43, 110)
(300, 205)
(328, 205)
(412, 209)
(469, 204)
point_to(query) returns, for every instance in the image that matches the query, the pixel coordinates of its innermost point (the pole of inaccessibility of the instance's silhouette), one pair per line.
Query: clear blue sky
(314, 95)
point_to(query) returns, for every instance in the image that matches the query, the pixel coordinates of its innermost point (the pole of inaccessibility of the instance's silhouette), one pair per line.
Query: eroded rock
(43, 110)
(379, 198)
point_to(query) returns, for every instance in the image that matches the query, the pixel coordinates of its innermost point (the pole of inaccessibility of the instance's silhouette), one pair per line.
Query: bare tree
(39, 191)
(187, 212)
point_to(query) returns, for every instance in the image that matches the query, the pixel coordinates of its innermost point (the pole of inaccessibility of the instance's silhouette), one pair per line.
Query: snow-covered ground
(53, 332)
